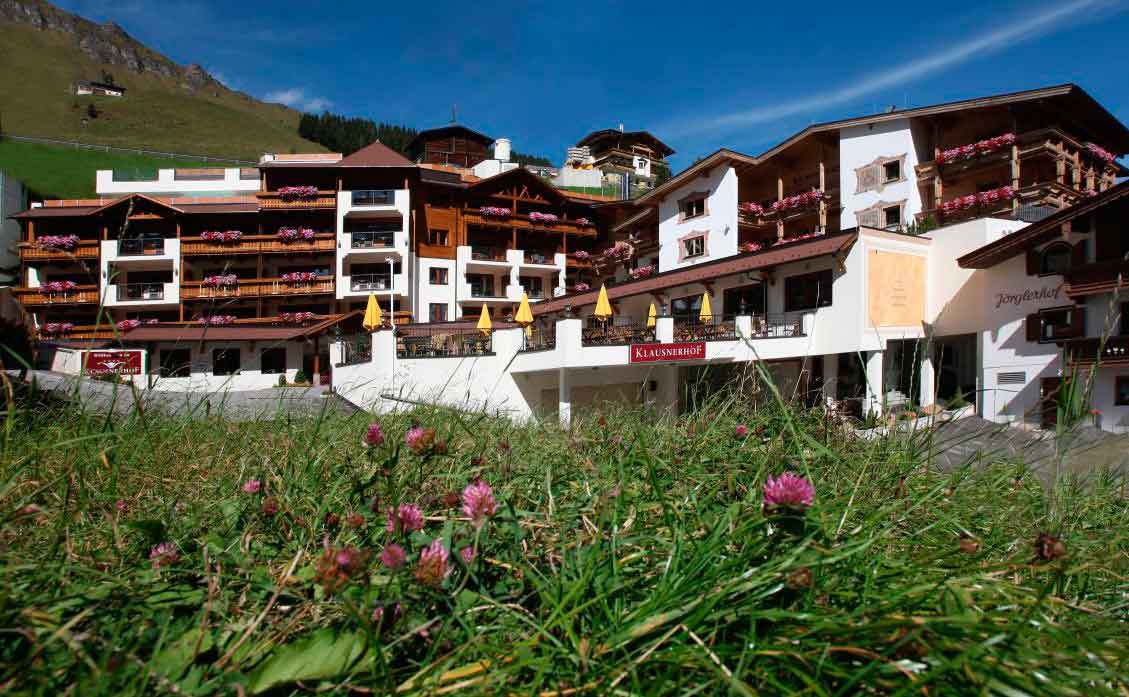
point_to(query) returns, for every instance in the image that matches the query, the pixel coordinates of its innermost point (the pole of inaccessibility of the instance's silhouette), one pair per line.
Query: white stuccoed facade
(718, 224)
(863, 145)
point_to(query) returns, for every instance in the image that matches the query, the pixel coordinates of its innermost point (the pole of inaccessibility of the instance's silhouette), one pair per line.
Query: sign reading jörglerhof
(1028, 295)
(652, 353)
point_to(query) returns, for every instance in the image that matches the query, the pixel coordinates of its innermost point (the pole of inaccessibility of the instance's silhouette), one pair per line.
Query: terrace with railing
(617, 334)
(539, 338)
(696, 329)
(440, 341)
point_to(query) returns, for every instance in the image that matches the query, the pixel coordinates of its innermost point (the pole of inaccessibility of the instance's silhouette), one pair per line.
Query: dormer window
(693, 206)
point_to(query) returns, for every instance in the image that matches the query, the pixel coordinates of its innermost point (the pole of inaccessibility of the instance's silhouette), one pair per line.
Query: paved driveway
(1082, 451)
(250, 405)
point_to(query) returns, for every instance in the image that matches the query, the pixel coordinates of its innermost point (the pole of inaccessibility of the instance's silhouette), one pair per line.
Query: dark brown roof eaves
(750, 261)
(1054, 91)
(200, 332)
(1035, 234)
(441, 131)
(55, 212)
(197, 208)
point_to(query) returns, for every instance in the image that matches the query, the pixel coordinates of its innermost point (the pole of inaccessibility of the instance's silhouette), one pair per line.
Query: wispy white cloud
(297, 98)
(1010, 31)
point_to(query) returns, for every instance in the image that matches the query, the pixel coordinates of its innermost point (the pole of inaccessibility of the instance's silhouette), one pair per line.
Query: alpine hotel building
(971, 250)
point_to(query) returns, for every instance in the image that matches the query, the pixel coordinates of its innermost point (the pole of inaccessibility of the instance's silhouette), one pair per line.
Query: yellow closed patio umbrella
(652, 314)
(603, 305)
(484, 324)
(706, 313)
(373, 318)
(524, 315)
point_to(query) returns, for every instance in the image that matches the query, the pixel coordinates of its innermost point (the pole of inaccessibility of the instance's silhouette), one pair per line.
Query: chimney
(502, 149)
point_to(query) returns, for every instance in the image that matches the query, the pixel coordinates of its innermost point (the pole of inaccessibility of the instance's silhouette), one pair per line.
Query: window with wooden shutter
(1034, 327)
(1078, 254)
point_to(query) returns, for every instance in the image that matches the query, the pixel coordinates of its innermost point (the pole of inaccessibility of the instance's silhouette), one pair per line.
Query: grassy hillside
(39, 67)
(60, 172)
(155, 555)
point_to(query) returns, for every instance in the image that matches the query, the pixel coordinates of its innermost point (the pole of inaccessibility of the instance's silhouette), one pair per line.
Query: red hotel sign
(654, 353)
(112, 362)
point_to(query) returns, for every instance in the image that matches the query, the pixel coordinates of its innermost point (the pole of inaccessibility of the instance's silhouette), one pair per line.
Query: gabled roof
(519, 173)
(1035, 234)
(612, 137)
(134, 197)
(452, 129)
(1074, 101)
(375, 154)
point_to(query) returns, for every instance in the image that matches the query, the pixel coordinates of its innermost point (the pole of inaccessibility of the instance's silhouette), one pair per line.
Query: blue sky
(543, 74)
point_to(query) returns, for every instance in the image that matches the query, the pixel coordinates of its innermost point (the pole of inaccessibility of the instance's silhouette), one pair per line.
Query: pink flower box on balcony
(59, 286)
(798, 201)
(56, 328)
(298, 277)
(542, 217)
(643, 272)
(221, 280)
(494, 212)
(296, 317)
(218, 320)
(980, 147)
(751, 208)
(1101, 153)
(290, 234)
(62, 242)
(297, 193)
(985, 198)
(221, 236)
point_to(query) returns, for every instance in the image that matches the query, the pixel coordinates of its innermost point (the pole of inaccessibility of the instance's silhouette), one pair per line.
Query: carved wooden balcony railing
(258, 244)
(1098, 277)
(80, 295)
(475, 217)
(274, 200)
(1091, 351)
(255, 288)
(85, 249)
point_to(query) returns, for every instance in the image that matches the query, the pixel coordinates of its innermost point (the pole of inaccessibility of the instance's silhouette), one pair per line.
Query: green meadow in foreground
(153, 555)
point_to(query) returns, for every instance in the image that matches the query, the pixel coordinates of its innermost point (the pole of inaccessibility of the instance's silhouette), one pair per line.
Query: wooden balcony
(273, 200)
(1039, 194)
(86, 249)
(259, 244)
(1091, 351)
(1098, 277)
(255, 288)
(81, 295)
(570, 227)
(83, 332)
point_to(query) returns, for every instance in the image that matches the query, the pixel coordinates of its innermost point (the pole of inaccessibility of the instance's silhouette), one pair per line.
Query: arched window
(1055, 259)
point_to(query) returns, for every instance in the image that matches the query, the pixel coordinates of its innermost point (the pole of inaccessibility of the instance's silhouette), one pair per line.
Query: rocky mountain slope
(45, 50)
